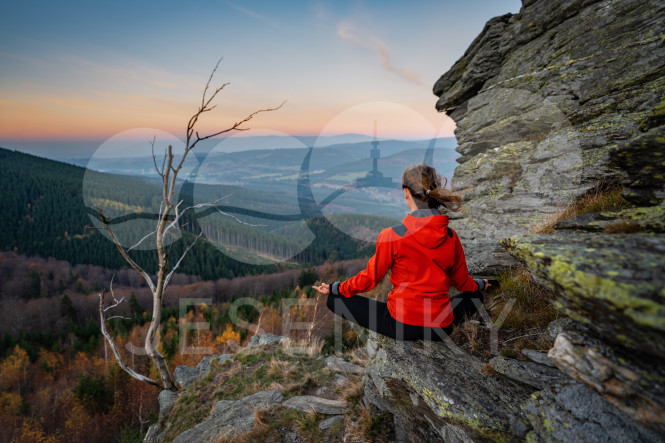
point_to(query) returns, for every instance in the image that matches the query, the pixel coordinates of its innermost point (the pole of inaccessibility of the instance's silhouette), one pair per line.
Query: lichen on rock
(573, 412)
(550, 103)
(640, 219)
(433, 389)
(611, 283)
(544, 115)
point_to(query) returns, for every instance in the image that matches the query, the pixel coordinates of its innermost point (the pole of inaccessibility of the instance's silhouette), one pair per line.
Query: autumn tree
(168, 219)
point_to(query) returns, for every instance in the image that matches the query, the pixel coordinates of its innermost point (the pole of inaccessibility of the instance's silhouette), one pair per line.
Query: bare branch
(163, 162)
(116, 301)
(118, 316)
(236, 218)
(235, 125)
(177, 265)
(141, 241)
(212, 74)
(114, 305)
(116, 353)
(154, 158)
(174, 222)
(213, 205)
(178, 214)
(169, 171)
(124, 254)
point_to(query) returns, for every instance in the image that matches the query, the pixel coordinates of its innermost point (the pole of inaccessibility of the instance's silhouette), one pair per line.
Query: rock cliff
(545, 101)
(551, 103)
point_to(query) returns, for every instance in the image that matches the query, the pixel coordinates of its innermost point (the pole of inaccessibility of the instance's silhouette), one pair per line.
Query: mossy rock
(614, 284)
(643, 219)
(438, 392)
(643, 159)
(573, 412)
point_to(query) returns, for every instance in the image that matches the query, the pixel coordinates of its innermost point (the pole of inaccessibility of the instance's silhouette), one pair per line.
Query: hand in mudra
(324, 289)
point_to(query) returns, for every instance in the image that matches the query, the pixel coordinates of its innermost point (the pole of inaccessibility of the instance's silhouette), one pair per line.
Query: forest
(59, 381)
(44, 214)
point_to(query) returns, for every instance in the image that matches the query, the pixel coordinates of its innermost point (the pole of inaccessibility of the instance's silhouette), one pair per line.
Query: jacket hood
(427, 226)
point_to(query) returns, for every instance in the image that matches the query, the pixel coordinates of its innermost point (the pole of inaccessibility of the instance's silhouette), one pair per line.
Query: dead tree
(169, 217)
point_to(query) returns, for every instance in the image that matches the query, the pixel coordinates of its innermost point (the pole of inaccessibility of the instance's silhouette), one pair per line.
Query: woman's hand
(487, 284)
(324, 289)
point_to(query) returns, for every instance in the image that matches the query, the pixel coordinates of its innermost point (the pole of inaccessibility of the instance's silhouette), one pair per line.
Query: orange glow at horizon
(56, 118)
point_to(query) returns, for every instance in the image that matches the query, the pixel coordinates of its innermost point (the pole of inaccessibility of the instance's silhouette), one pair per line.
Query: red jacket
(425, 259)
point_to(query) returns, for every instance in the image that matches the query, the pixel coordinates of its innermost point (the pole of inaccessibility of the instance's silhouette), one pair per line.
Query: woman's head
(428, 188)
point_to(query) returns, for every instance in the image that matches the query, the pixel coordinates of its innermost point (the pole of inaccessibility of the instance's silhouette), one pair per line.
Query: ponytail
(429, 189)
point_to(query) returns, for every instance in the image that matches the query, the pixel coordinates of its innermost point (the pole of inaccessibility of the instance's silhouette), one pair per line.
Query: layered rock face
(542, 100)
(438, 392)
(549, 103)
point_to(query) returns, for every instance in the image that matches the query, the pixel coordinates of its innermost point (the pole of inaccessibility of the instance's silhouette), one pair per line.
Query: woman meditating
(425, 257)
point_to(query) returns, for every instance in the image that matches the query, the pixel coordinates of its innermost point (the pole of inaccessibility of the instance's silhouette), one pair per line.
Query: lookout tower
(375, 152)
(375, 177)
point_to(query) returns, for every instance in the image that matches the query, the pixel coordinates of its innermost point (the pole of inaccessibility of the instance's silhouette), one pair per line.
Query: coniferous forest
(44, 214)
(59, 380)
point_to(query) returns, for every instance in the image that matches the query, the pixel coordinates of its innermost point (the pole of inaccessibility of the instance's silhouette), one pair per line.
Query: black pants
(374, 315)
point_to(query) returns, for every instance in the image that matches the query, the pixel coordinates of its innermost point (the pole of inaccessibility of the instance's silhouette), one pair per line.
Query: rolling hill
(47, 206)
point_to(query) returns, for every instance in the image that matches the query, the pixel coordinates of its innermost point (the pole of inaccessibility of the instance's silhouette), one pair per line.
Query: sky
(76, 73)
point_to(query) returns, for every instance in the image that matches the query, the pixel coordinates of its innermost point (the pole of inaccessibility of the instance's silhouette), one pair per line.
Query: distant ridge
(79, 152)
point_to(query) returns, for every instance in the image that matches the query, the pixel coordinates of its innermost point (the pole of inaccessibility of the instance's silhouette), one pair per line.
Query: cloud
(256, 16)
(366, 40)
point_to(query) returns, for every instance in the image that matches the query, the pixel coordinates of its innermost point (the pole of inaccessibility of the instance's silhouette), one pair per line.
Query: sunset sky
(75, 73)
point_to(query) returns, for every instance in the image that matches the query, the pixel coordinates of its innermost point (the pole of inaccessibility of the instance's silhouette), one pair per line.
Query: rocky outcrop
(310, 403)
(437, 392)
(185, 375)
(643, 159)
(330, 422)
(634, 384)
(166, 401)
(266, 339)
(301, 397)
(537, 357)
(549, 103)
(613, 284)
(611, 287)
(230, 418)
(533, 374)
(339, 365)
(641, 219)
(573, 412)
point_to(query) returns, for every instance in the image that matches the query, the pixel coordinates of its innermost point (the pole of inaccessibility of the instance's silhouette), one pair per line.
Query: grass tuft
(487, 370)
(527, 309)
(352, 389)
(533, 306)
(606, 197)
(310, 347)
(623, 227)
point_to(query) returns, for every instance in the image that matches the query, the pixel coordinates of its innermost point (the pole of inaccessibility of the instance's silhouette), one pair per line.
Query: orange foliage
(50, 364)
(84, 363)
(31, 432)
(227, 340)
(10, 403)
(14, 369)
(80, 425)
